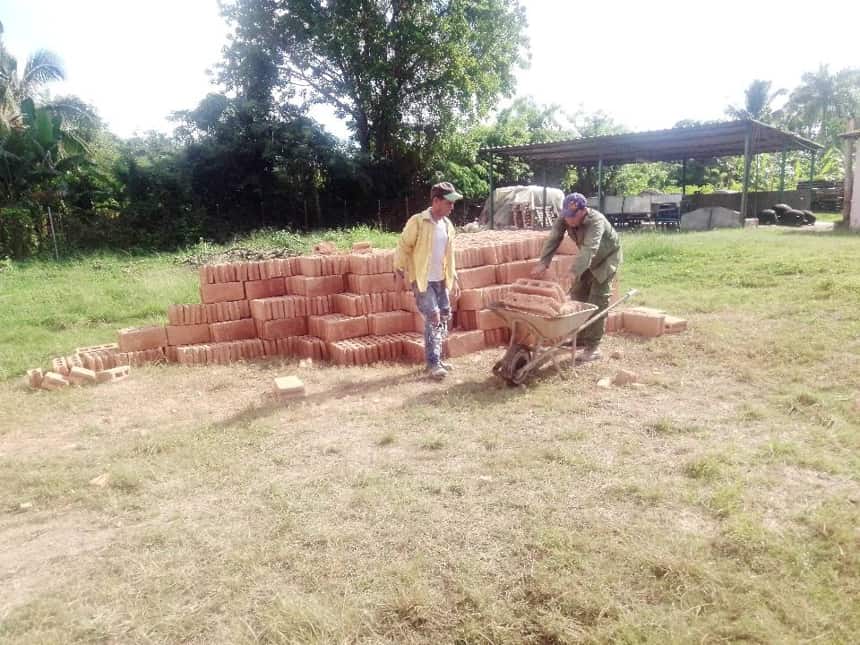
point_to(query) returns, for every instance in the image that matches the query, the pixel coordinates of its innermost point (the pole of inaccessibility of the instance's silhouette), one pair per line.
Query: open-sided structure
(734, 138)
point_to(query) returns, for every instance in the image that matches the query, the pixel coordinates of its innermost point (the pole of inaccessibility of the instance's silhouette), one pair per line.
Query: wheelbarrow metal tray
(546, 327)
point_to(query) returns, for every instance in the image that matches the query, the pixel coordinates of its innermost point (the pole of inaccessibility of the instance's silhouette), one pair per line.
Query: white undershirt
(437, 253)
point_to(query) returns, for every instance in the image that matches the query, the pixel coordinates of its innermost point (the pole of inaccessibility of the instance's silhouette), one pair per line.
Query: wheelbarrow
(537, 340)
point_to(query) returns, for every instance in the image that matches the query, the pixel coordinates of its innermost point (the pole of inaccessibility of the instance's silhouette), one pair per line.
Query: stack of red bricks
(349, 308)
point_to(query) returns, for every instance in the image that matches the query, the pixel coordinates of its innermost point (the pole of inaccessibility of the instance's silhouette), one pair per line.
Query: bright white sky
(647, 64)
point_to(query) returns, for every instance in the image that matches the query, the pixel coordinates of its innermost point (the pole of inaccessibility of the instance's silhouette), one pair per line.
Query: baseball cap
(445, 190)
(571, 202)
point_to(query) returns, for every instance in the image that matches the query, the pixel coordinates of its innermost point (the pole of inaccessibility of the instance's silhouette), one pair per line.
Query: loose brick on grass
(110, 347)
(674, 325)
(460, 343)
(82, 376)
(114, 374)
(34, 377)
(289, 387)
(643, 323)
(54, 381)
(59, 366)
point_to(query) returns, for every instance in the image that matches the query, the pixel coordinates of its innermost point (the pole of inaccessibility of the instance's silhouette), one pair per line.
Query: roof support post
(683, 179)
(492, 191)
(600, 184)
(811, 175)
(543, 217)
(782, 158)
(747, 160)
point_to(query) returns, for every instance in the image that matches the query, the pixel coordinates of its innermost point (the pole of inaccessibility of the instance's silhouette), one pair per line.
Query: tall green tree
(42, 67)
(821, 104)
(399, 71)
(758, 102)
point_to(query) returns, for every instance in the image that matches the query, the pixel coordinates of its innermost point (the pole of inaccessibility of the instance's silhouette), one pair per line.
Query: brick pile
(347, 308)
(89, 366)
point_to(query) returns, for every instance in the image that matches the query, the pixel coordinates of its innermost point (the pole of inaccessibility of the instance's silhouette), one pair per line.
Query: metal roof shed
(733, 138)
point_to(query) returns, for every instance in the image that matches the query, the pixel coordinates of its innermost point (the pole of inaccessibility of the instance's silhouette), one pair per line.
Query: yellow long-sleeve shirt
(415, 247)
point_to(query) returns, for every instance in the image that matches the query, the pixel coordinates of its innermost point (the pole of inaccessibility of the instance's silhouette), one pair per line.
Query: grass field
(719, 501)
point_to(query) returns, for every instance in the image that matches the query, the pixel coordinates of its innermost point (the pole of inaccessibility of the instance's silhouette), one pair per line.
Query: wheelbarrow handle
(605, 312)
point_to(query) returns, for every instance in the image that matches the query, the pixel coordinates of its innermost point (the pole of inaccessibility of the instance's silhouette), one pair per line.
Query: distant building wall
(797, 199)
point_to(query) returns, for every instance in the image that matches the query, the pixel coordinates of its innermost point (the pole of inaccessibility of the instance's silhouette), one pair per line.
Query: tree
(819, 107)
(757, 105)
(42, 67)
(399, 71)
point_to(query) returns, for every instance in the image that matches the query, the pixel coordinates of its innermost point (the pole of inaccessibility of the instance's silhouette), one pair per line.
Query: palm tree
(822, 102)
(758, 102)
(42, 67)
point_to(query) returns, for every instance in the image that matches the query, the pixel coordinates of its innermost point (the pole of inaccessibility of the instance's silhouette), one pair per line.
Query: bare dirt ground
(387, 508)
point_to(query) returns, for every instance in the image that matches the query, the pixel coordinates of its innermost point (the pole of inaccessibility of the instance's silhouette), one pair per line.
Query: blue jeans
(435, 299)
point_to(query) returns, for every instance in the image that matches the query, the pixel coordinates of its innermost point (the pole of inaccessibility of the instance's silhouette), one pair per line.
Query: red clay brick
(539, 288)
(282, 328)
(233, 330)
(351, 304)
(464, 342)
(54, 381)
(511, 271)
(413, 350)
(372, 283)
(60, 366)
(488, 319)
(188, 334)
(477, 278)
(135, 339)
(310, 347)
(389, 322)
(270, 288)
(315, 286)
(614, 321)
(139, 358)
(113, 374)
(34, 377)
(334, 327)
(474, 299)
(673, 325)
(320, 305)
(82, 376)
(643, 323)
(222, 292)
(111, 347)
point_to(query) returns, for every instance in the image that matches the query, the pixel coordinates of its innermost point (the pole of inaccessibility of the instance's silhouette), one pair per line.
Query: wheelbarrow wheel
(511, 365)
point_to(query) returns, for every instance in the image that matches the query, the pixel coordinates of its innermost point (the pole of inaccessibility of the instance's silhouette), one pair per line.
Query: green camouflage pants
(588, 289)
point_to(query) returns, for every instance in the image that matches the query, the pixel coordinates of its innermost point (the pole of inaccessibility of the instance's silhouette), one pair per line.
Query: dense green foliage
(415, 83)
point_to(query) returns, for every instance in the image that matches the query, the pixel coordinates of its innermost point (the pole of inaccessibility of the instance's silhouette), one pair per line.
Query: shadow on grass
(271, 405)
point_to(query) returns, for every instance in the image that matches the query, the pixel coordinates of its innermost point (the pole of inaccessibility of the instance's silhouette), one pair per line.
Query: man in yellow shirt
(425, 257)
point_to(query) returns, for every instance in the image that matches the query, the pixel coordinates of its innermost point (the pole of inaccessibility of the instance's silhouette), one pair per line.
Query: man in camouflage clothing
(595, 265)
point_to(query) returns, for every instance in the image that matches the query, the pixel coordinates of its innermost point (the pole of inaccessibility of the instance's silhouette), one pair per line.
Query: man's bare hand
(538, 272)
(436, 319)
